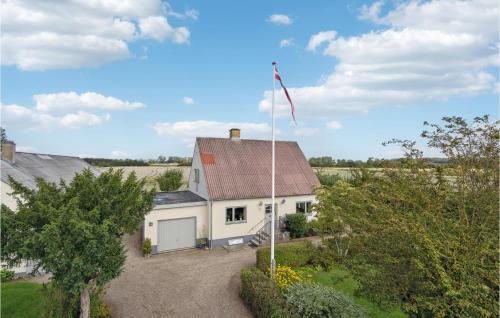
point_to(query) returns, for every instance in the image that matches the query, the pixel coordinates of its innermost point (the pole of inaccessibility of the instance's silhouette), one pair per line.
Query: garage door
(176, 234)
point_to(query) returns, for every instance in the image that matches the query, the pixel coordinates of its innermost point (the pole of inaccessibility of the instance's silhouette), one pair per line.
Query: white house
(26, 167)
(228, 200)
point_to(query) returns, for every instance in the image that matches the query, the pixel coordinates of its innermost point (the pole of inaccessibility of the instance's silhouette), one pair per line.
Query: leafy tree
(73, 230)
(170, 180)
(161, 159)
(425, 236)
(3, 135)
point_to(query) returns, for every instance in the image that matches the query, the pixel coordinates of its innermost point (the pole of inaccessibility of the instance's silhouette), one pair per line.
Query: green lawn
(342, 281)
(21, 299)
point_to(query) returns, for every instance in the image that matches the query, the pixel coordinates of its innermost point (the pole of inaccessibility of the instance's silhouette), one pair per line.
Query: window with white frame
(303, 207)
(268, 208)
(236, 215)
(197, 175)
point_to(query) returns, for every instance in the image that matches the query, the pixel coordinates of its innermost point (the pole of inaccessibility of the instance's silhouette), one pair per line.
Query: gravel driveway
(193, 283)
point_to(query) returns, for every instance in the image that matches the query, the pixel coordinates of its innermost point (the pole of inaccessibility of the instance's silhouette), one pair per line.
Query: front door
(268, 217)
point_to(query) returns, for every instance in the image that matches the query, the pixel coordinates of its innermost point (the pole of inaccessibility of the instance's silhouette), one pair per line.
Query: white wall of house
(255, 213)
(201, 187)
(6, 198)
(176, 212)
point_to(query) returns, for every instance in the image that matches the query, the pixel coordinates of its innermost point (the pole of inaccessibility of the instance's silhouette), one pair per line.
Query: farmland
(152, 171)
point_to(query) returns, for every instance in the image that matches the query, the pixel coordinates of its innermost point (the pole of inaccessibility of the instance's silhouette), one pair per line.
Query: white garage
(178, 221)
(176, 234)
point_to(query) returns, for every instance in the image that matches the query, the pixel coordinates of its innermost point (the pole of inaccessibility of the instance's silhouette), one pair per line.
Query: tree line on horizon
(328, 161)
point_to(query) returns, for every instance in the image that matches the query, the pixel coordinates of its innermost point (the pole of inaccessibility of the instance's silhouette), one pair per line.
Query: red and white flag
(278, 77)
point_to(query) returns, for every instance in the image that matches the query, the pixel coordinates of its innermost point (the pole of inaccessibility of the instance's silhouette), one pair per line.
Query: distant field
(150, 172)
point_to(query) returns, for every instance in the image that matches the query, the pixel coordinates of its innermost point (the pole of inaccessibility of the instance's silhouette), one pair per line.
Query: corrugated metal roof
(241, 169)
(29, 166)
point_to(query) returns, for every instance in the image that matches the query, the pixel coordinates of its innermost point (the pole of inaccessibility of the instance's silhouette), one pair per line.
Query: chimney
(9, 151)
(234, 134)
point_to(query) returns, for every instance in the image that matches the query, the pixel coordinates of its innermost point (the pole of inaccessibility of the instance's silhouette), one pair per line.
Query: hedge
(291, 254)
(262, 296)
(317, 301)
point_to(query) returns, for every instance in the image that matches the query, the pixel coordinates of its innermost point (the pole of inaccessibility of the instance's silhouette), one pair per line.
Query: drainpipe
(210, 224)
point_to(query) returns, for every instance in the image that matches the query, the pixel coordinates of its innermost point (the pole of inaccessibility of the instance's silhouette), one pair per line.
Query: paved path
(193, 283)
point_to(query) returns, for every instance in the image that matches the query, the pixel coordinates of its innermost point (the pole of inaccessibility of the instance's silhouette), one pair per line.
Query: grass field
(342, 281)
(21, 299)
(151, 172)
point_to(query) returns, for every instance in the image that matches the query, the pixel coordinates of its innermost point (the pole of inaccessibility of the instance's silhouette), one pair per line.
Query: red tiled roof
(241, 169)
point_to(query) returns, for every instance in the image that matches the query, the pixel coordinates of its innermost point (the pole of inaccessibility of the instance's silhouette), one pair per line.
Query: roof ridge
(245, 139)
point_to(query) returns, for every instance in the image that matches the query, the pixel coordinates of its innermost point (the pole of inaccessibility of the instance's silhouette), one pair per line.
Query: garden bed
(307, 283)
(340, 279)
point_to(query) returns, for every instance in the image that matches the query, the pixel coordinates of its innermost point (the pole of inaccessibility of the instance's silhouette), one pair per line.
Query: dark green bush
(296, 225)
(318, 301)
(6, 275)
(292, 254)
(261, 295)
(170, 180)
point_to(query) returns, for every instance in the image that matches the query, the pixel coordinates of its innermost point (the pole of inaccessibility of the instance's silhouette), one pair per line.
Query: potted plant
(146, 247)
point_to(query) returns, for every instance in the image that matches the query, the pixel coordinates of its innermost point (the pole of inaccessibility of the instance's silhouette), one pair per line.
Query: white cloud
(26, 149)
(320, 38)
(157, 27)
(371, 13)
(118, 154)
(56, 35)
(280, 19)
(334, 125)
(305, 131)
(64, 110)
(187, 101)
(47, 103)
(427, 52)
(286, 42)
(188, 130)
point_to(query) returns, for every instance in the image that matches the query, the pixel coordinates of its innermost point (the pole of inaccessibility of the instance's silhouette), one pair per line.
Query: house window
(303, 207)
(197, 175)
(268, 208)
(236, 215)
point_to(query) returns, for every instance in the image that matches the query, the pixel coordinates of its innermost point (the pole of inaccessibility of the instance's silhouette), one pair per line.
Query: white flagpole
(272, 178)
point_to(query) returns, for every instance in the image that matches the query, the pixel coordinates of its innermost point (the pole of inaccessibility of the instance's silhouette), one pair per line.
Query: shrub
(6, 275)
(146, 247)
(292, 254)
(261, 295)
(323, 257)
(170, 180)
(312, 228)
(59, 304)
(285, 276)
(327, 179)
(98, 309)
(296, 224)
(317, 301)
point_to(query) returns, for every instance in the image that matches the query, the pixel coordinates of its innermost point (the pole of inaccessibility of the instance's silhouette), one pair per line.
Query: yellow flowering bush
(285, 276)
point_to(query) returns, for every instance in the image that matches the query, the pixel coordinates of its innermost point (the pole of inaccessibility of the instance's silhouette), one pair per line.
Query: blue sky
(119, 79)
